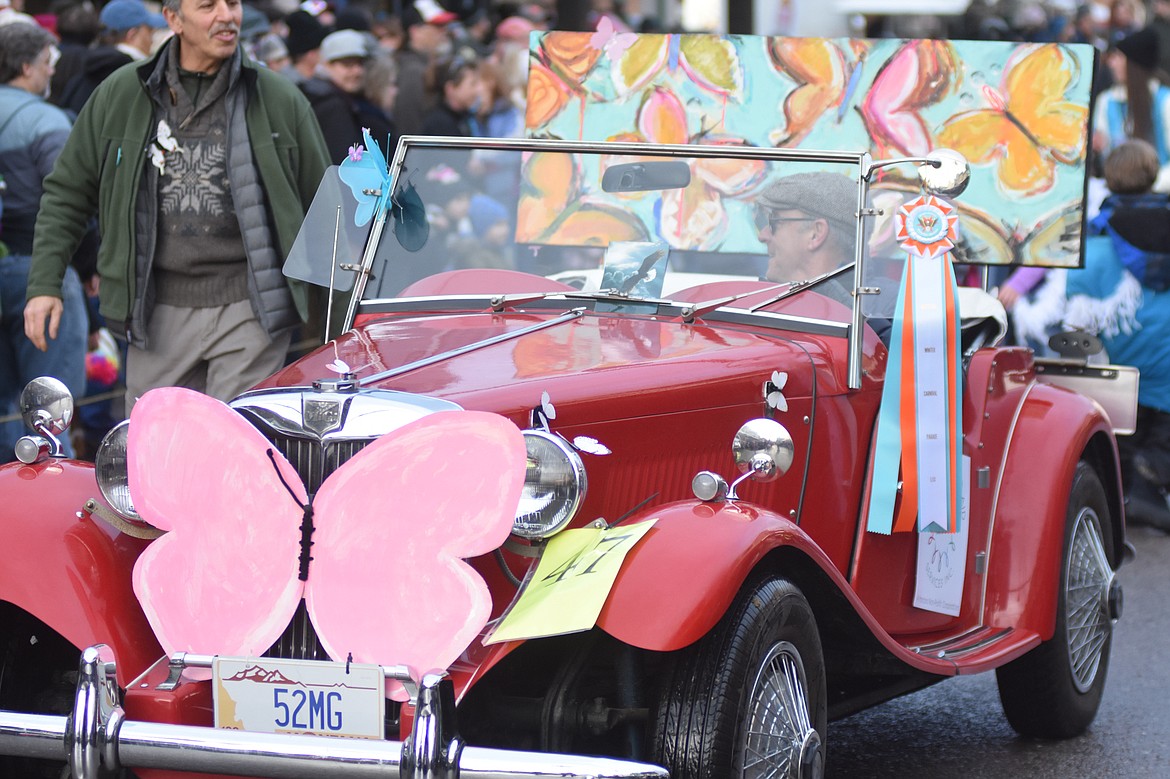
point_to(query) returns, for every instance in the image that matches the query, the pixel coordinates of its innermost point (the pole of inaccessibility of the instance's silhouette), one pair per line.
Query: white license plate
(270, 695)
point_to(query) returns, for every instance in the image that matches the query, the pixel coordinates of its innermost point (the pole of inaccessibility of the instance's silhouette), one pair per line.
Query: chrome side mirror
(47, 408)
(945, 173)
(763, 449)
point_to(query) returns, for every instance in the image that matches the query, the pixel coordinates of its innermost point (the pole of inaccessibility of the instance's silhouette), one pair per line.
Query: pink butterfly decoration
(386, 582)
(609, 39)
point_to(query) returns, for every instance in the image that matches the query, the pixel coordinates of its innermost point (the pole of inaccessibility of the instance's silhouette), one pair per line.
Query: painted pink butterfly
(917, 76)
(385, 582)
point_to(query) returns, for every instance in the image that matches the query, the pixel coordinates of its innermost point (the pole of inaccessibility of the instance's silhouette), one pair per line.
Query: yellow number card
(571, 582)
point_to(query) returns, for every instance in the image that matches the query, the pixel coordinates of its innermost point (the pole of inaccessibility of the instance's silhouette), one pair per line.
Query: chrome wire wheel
(779, 737)
(748, 700)
(1054, 691)
(1088, 579)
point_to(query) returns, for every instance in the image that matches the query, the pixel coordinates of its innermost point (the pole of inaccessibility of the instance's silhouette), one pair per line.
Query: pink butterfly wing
(604, 34)
(223, 580)
(917, 76)
(387, 583)
(887, 112)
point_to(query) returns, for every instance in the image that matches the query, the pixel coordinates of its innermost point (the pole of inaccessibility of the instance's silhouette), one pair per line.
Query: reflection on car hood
(592, 358)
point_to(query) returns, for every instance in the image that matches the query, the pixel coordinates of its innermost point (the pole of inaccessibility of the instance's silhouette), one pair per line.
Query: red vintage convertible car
(685, 534)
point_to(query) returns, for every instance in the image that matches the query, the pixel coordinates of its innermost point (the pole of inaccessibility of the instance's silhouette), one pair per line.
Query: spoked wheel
(779, 733)
(748, 700)
(1054, 690)
(1088, 578)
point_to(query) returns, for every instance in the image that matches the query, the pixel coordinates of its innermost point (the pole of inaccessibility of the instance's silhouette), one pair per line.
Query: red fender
(1049, 437)
(67, 569)
(683, 575)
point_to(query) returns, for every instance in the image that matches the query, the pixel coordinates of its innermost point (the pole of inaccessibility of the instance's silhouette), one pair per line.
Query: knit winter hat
(305, 33)
(514, 28)
(831, 196)
(1141, 48)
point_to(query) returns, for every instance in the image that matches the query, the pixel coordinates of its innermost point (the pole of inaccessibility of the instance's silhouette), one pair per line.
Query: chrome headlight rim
(111, 473)
(568, 507)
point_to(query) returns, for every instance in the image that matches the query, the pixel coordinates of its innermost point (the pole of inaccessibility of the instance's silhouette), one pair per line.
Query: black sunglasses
(763, 218)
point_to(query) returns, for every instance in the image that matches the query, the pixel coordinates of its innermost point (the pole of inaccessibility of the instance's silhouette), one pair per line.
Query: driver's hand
(38, 311)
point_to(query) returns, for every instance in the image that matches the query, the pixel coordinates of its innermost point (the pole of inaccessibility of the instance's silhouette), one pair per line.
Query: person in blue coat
(1123, 295)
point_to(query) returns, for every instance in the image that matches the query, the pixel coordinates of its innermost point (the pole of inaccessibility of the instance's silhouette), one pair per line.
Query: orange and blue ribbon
(919, 427)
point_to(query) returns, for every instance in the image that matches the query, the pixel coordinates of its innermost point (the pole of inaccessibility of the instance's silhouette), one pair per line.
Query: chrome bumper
(97, 737)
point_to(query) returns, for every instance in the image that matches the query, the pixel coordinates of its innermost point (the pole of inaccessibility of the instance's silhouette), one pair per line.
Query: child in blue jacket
(1122, 295)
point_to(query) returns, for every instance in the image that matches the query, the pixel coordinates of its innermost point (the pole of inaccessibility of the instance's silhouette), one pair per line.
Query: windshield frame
(861, 162)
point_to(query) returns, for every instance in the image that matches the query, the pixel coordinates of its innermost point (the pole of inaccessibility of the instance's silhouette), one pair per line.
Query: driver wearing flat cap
(808, 222)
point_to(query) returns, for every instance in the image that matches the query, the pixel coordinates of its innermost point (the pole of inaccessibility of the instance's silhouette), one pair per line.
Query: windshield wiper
(499, 302)
(786, 289)
(797, 286)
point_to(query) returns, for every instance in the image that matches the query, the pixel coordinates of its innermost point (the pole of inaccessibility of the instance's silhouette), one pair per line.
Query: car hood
(588, 359)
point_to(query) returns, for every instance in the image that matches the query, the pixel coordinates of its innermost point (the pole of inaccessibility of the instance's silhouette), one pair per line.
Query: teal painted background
(1018, 112)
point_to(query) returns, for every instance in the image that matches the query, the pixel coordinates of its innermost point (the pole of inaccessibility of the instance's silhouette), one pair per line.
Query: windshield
(687, 224)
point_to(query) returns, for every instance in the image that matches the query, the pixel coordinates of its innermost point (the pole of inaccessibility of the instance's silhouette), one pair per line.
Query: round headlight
(110, 468)
(554, 486)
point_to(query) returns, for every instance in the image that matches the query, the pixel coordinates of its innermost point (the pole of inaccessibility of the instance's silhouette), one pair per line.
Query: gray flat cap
(832, 196)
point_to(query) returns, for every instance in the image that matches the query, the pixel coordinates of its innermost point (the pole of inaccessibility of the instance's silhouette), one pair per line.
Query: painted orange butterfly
(1028, 125)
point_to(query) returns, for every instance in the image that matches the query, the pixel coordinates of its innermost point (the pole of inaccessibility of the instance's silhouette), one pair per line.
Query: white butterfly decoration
(339, 366)
(163, 143)
(774, 391)
(546, 406)
(584, 443)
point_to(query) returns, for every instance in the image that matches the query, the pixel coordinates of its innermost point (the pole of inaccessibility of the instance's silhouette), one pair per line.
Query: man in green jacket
(200, 166)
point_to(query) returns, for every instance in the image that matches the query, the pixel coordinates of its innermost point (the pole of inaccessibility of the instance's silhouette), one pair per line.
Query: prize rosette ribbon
(919, 428)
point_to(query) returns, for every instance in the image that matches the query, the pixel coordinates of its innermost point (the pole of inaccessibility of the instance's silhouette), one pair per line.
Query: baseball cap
(128, 14)
(485, 212)
(254, 23)
(830, 196)
(426, 12)
(343, 43)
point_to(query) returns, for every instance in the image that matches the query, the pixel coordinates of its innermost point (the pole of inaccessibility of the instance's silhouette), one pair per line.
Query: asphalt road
(957, 728)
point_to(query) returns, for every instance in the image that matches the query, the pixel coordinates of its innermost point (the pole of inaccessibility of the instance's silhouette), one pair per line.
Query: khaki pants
(220, 351)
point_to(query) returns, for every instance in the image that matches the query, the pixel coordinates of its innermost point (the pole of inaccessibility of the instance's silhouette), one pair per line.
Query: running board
(972, 641)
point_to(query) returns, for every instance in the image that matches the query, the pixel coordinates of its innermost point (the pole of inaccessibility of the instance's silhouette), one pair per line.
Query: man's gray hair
(20, 44)
(171, 4)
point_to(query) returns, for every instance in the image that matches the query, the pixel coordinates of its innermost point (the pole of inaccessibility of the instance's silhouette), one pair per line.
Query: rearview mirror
(644, 176)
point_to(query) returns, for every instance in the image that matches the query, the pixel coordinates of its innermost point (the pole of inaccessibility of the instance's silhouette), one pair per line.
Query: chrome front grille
(314, 460)
(299, 640)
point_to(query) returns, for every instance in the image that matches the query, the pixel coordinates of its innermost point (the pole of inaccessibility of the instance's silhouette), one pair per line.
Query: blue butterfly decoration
(368, 177)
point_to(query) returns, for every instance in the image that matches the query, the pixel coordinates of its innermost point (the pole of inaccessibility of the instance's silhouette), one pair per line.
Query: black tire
(767, 643)
(1053, 691)
(38, 674)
